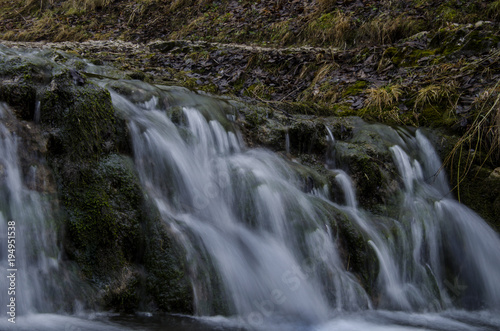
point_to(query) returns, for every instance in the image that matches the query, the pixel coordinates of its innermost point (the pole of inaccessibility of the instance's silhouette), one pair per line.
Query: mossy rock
(103, 200)
(119, 241)
(479, 188)
(464, 41)
(25, 69)
(167, 280)
(124, 293)
(308, 136)
(20, 96)
(83, 114)
(357, 255)
(480, 191)
(366, 157)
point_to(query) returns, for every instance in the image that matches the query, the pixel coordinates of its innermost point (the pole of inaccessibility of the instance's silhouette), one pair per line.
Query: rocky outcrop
(121, 247)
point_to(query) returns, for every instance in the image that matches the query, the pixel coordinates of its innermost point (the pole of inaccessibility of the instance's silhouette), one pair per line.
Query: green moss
(408, 57)
(355, 88)
(209, 88)
(102, 199)
(344, 109)
(84, 114)
(255, 117)
(20, 96)
(260, 90)
(436, 116)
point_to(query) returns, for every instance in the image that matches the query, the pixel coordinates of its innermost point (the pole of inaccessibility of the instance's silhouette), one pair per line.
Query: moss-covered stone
(106, 219)
(366, 157)
(479, 189)
(25, 69)
(20, 96)
(358, 258)
(167, 281)
(103, 201)
(308, 136)
(82, 112)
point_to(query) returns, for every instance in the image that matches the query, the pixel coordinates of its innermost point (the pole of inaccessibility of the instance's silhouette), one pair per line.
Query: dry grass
(434, 94)
(386, 30)
(481, 142)
(487, 121)
(177, 4)
(332, 29)
(184, 31)
(36, 5)
(383, 97)
(46, 26)
(323, 72)
(280, 32)
(71, 6)
(325, 5)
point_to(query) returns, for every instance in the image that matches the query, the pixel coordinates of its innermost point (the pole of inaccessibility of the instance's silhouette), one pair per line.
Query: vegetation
(417, 63)
(311, 22)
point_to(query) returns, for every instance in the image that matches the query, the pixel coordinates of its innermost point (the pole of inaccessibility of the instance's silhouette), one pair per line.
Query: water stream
(271, 244)
(261, 249)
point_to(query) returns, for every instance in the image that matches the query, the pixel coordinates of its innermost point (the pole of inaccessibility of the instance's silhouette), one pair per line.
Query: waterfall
(443, 254)
(262, 248)
(270, 243)
(33, 278)
(26, 224)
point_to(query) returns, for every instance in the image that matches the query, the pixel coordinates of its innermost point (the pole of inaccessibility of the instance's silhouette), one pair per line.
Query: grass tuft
(434, 94)
(383, 97)
(331, 28)
(481, 141)
(387, 30)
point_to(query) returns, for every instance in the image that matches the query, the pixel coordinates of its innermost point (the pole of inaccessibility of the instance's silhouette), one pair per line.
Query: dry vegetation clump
(386, 30)
(480, 145)
(332, 29)
(435, 94)
(383, 97)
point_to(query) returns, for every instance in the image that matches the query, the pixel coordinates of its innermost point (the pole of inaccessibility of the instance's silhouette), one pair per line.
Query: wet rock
(20, 96)
(105, 217)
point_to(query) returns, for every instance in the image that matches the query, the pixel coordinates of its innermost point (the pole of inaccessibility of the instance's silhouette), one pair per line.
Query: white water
(261, 245)
(265, 237)
(443, 254)
(31, 232)
(271, 245)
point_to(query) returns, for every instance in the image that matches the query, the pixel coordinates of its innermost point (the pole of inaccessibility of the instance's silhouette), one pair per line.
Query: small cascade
(29, 255)
(268, 241)
(330, 152)
(346, 184)
(244, 210)
(261, 249)
(436, 250)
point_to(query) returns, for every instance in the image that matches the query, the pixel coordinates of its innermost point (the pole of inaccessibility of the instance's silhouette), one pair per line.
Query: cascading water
(25, 219)
(270, 243)
(262, 245)
(245, 208)
(435, 238)
(33, 278)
